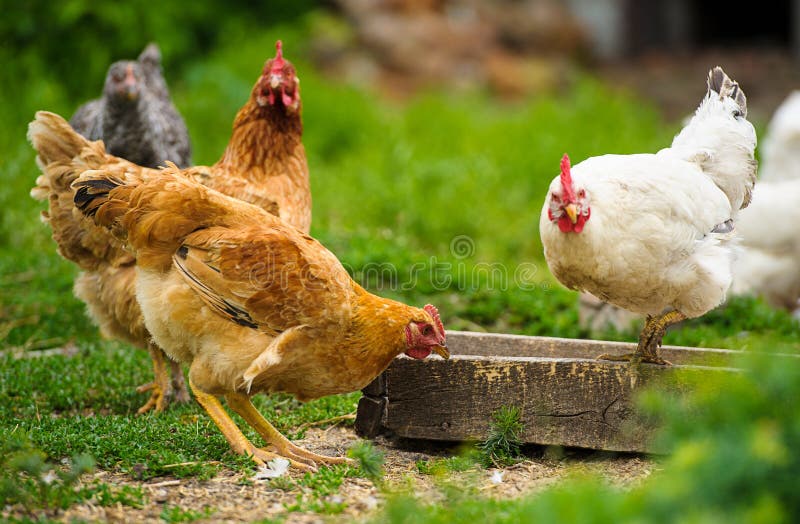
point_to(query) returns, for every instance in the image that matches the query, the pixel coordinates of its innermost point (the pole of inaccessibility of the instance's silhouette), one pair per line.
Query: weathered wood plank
(564, 402)
(370, 418)
(469, 343)
(566, 397)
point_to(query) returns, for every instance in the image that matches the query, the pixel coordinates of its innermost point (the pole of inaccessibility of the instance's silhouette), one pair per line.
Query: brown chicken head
(124, 81)
(278, 84)
(426, 335)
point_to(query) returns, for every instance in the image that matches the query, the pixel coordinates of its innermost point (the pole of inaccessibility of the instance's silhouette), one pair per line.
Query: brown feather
(250, 302)
(264, 163)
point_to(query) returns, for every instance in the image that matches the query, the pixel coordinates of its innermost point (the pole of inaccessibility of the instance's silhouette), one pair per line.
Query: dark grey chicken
(135, 116)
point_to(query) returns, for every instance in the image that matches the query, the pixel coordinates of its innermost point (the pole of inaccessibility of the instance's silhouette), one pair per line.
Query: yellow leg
(238, 442)
(241, 404)
(160, 387)
(650, 340)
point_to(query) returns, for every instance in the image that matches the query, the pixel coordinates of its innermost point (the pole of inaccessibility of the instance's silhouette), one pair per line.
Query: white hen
(652, 233)
(768, 258)
(780, 152)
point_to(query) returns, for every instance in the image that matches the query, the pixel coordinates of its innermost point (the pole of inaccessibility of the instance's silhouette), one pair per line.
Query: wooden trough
(566, 396)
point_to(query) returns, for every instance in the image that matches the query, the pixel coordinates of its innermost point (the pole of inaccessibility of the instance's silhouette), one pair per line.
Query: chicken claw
(649, 340)
(161, 386)
(157, 400)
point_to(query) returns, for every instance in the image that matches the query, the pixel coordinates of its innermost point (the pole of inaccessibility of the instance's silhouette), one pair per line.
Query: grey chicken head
(124, 81)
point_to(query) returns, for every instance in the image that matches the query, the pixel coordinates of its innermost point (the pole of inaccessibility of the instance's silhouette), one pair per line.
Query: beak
(129, 84)
(275, 81)
(572, 212)
(442, 351)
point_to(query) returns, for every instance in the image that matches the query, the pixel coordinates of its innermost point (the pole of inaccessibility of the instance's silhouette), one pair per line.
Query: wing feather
(264, 279)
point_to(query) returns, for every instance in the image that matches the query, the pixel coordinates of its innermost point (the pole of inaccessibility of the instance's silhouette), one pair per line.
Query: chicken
(135, 117)
(654, 233)
(767, 260)
(264, 164)
(780, 152)
(249, 302)
(768, 256)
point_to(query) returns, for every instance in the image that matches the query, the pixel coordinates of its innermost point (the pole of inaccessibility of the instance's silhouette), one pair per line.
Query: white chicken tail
(720, 140)
(724, 87)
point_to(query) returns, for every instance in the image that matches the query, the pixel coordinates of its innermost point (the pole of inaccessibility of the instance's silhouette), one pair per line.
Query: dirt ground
(232, 500)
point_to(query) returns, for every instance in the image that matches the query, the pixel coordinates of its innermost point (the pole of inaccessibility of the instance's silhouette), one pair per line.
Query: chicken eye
(556, 198)
(427, 330)
(582, 193)
(737, 114)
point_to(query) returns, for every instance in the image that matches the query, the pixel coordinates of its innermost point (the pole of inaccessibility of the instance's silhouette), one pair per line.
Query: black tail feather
(88, 192)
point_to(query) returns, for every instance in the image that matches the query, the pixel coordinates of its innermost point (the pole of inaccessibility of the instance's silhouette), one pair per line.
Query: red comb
(566, 179)
(434, 313)
(278, 62)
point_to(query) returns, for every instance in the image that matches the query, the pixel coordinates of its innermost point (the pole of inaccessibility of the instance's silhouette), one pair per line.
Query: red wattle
(287, 100)
(566, 225)
(418, 353)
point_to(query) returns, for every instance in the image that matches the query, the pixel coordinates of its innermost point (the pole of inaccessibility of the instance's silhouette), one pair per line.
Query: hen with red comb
(264, 164)
(250, 303)
(653, 233)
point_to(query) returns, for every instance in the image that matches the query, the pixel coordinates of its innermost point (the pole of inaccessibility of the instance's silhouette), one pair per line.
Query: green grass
(503, 444)
(405, 184)
(733, 460)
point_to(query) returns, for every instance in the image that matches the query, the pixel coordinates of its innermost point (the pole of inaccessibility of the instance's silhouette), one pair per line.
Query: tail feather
(62, 155)
(151, 217)
(722, 84)
(105, 198)
(92, 193)
(54, 139)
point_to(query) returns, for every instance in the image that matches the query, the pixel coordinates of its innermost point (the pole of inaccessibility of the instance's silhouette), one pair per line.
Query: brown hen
(250, 303)
(264, 164)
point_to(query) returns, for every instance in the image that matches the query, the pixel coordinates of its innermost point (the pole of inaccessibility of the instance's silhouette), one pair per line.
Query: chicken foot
(161, 387)
(237, 440)
(242, 405)
(650, 340)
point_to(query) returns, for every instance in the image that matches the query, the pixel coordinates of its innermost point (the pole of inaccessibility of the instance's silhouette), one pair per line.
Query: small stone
(160, 496)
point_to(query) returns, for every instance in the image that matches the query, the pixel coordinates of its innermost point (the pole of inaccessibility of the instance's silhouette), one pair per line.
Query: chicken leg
(239, 442)
(161, 387)
(650, 340)
(179, 392)
(242, 405)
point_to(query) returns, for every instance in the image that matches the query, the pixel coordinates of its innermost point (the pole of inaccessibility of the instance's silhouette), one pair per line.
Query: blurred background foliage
(394, 182)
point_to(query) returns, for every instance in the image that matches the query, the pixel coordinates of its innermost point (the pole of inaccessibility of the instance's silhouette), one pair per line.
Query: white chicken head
(278, 83)
(568, 205)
